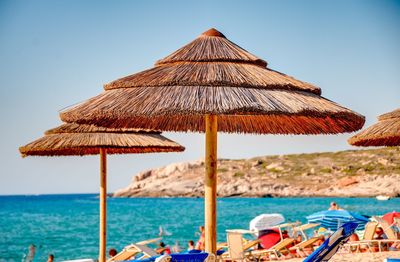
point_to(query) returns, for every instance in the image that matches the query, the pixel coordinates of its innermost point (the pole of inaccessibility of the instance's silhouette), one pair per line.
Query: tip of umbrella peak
(213, 32)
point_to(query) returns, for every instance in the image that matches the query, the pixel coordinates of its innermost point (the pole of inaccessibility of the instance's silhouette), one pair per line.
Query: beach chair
(125, 254)
(300, 247)
(133, 250)
(367, 240)
(280, 250)
(238, 249)
(333, 243)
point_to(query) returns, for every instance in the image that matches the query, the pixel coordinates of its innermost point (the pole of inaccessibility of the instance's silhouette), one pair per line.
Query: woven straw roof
(384, 133)
(74, 139)
(212, 75)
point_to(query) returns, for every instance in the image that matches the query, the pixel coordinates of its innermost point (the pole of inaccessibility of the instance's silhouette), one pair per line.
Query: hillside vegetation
(346, 173)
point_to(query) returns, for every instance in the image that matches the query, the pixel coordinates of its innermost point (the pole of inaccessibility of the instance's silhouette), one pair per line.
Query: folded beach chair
(276, 252)
(300, 247)
(135, 249)
(238, 250)
(333, 243)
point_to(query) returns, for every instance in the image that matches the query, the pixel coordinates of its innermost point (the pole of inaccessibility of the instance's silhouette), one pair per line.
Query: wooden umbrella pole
(210, 184)
(103, 208)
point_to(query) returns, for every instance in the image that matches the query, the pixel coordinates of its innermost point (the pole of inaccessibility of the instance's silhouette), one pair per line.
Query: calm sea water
(67, 225)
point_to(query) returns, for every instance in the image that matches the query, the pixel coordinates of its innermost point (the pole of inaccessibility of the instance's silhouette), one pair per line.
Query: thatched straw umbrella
(74, 139)
(384, 133)
(211, 85)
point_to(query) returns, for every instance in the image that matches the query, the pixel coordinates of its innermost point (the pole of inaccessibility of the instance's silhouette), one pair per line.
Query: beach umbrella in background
(211, 85)
(80, 140)
(390, 217)
(265, 221)
(384, 133)
(333, 219)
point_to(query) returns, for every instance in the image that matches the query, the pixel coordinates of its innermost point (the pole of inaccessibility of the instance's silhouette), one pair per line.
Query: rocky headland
(352, 173)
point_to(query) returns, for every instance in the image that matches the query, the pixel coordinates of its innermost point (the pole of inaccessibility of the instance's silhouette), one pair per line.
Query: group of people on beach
(192, 247)
(374, 246)
(164, 249)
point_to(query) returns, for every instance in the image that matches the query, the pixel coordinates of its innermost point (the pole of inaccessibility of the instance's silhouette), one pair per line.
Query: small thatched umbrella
(384, 133)
(74, 139)
(211, 85)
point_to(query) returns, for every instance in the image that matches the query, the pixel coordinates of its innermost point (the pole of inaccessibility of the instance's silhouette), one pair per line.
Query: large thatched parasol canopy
(211, 85)
(73, 139)
(212, 75)
(384, 133)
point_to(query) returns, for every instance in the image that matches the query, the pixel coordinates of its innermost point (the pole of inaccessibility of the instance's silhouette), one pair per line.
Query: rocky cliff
(355, 173)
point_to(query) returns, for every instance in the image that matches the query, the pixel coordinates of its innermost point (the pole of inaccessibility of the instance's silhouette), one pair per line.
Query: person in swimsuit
(200, 245)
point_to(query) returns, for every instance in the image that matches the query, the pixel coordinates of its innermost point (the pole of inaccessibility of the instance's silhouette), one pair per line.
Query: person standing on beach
(200, 245)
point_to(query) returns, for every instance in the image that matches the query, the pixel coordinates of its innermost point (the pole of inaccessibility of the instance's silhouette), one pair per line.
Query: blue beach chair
(333, 243)
(193, 257)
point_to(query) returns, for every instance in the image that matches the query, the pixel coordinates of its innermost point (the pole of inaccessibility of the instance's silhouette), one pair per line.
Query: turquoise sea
(67, 225)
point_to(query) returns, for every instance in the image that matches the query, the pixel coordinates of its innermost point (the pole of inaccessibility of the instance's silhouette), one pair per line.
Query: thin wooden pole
(210, 184)
(103, 207)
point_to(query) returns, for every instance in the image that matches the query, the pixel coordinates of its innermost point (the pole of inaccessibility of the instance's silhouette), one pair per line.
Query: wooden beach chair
(125, 254)
(278, 251)
(300, 247)
(238, 249)
(135, 249)
(367, 240)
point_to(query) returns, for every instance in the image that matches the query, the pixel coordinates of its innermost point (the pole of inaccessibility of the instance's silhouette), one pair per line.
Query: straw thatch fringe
(212, 74)
(174, 107)
(384, 133)
(212, 46)
(76, 128)
(251, 124)
(90, 143)
(393, 114)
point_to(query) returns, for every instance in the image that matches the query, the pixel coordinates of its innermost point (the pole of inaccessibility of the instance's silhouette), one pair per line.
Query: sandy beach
(359, 257)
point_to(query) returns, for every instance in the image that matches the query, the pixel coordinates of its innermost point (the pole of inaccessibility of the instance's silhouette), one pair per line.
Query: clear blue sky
(56, 53)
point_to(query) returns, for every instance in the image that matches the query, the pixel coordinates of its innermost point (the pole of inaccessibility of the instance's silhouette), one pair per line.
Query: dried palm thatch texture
(212, 75)
(384, 133)
(74, 139)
